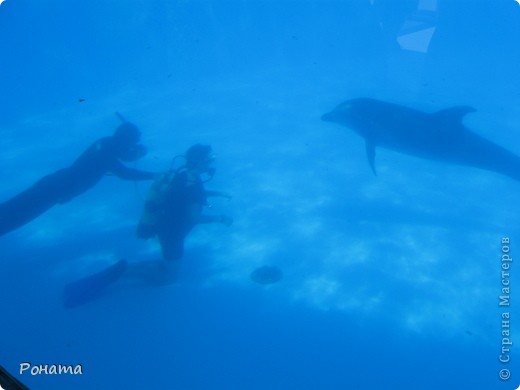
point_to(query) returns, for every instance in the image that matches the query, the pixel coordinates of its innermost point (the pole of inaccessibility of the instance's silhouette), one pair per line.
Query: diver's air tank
(154, 206)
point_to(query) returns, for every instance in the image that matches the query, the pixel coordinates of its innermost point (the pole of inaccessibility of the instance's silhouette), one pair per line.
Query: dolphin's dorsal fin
(454, 114)
(371, 155)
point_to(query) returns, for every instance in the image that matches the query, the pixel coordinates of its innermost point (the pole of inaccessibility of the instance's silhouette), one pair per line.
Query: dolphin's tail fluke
(484, 154)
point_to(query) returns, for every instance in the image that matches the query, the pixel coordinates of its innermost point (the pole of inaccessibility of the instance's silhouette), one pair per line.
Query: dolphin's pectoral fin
(371, 155)
(454, 114)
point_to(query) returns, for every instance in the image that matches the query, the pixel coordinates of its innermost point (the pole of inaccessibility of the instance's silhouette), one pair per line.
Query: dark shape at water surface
(266, 275)
(9, 382)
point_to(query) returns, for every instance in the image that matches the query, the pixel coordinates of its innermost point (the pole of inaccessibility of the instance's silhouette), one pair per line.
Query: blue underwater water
(388, 281)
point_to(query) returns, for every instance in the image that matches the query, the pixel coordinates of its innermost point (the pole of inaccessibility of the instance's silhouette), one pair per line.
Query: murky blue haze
(389, 281)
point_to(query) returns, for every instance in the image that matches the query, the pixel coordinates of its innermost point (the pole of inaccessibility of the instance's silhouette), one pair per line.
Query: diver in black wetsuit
(175, 202)
(102, 157)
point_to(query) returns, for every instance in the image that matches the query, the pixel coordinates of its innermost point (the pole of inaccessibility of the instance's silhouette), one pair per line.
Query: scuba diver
(103, 157)
(173, 208)
(175, 202)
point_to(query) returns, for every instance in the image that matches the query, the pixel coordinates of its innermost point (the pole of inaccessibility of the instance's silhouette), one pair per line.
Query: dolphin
(437, 136)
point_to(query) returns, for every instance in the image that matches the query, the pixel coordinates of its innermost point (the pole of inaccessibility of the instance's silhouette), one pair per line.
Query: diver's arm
(125, 173)
(216, 219)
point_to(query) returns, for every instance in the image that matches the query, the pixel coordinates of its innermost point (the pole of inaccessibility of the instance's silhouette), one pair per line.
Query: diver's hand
(225, 195)
(219, 194)
(228, 221)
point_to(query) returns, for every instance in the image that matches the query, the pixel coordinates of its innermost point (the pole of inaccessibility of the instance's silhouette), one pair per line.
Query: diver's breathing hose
(174, 159)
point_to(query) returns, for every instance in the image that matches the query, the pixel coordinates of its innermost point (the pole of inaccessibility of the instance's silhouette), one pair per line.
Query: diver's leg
(31, 203)
(159, 272)
(172, 246)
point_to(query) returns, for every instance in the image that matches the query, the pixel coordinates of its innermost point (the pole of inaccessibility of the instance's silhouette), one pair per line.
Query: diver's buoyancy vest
(154, 206)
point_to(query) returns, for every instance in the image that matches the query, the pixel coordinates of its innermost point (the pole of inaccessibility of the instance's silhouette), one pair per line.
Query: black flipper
(91, 287)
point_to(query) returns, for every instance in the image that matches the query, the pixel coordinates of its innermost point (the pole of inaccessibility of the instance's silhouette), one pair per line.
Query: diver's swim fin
(90, 287)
